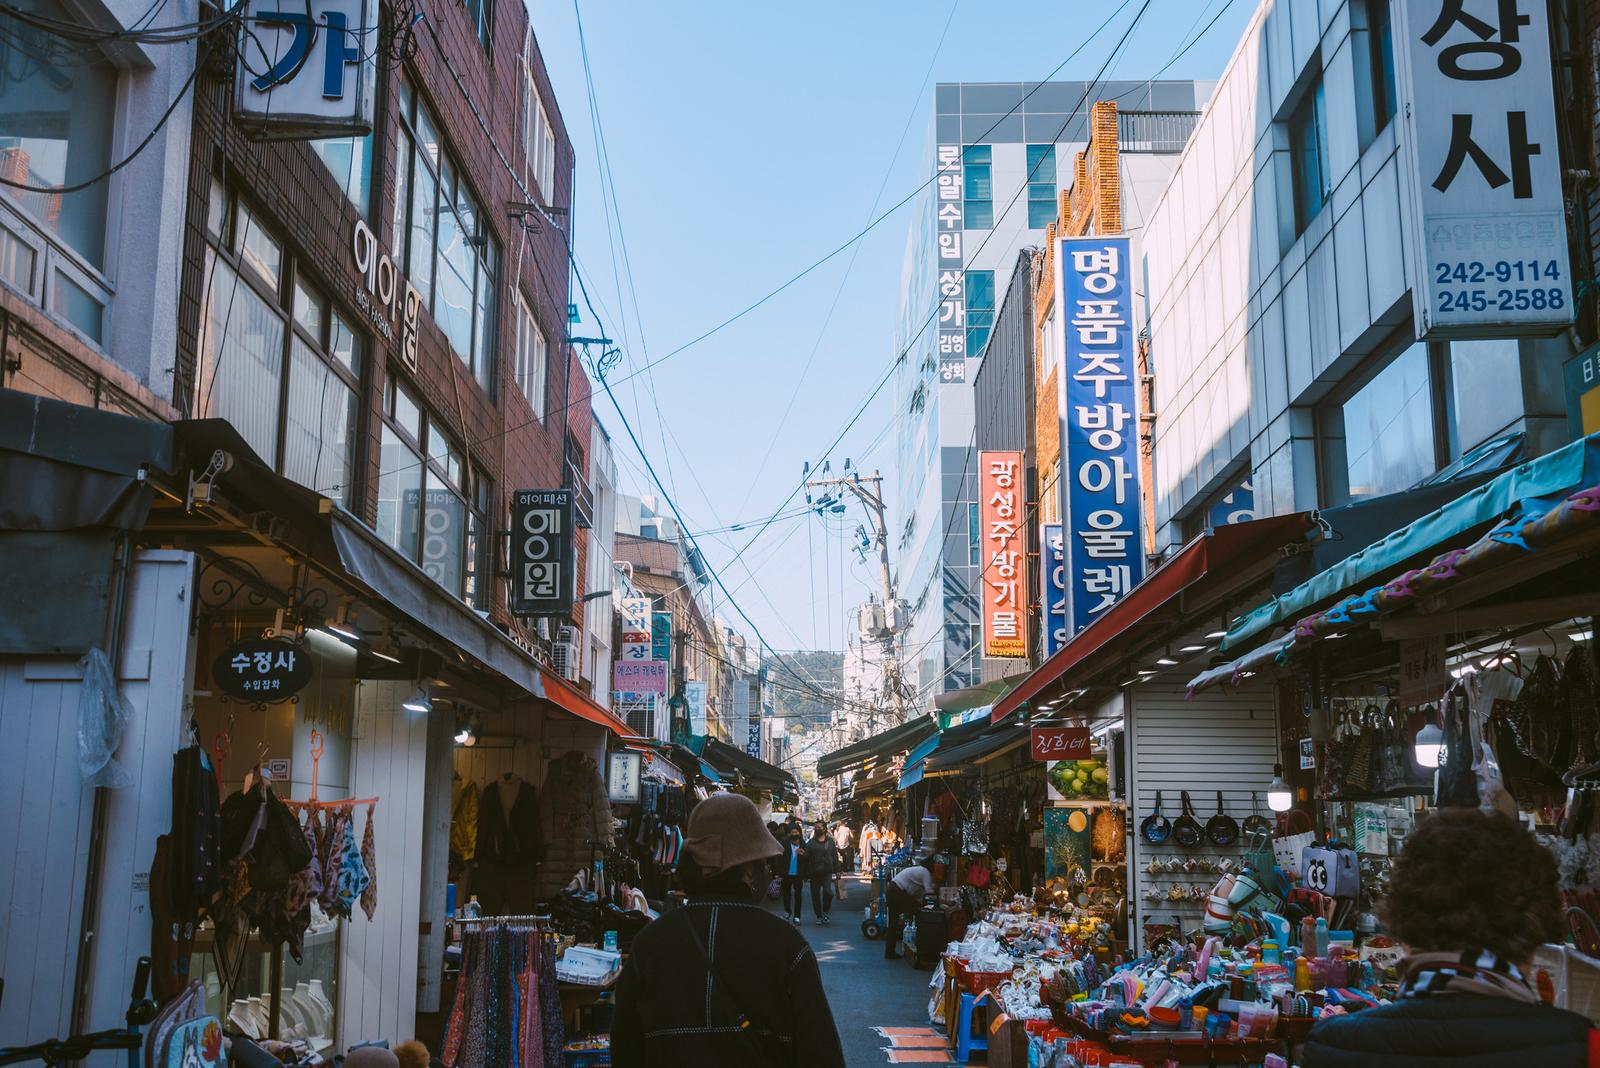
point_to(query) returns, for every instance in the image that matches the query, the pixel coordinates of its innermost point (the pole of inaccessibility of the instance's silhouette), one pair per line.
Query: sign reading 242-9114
(1100, 425)
(1488, 252)
(306, 70)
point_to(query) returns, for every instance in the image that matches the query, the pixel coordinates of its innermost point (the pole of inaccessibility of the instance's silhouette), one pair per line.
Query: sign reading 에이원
(1482, 168)
(639, 676)
(952, 324)
(306, 70)
(261, 670)
(1100, 421)
(1001, 503)
(1054, 552)
(543, 557)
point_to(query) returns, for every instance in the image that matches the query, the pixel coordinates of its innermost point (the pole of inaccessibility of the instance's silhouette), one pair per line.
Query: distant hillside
(823, 669)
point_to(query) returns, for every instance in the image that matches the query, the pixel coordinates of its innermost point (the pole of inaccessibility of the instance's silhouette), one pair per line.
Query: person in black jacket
(1471, 897)
(822, 864)
(792, 872)
(722, 982)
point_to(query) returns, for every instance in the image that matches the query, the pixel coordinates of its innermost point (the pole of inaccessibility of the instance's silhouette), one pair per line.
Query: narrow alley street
(877, 1004)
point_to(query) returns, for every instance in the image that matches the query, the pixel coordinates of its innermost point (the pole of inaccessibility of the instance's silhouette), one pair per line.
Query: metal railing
(1155, 131)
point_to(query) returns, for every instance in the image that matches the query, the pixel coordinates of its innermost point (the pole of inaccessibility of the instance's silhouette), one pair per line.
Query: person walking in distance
(905, 893)
(822, 867)
(722, 982)
(843, 840)
(792, 872)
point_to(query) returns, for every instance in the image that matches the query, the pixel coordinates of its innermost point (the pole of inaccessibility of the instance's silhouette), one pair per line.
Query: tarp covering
(885, 743)
(728, 759)
(951, 757)
(1535, 484)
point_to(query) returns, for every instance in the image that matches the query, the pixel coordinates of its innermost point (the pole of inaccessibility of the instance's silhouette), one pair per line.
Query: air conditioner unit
(568, 659)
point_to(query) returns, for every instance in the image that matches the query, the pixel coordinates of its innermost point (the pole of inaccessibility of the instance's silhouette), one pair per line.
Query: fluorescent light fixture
(1429, 745)
(1214, 635)
(1463, 670)
(342, 625)
(1166, 661)
(1193, 648)
(1279, 796)
(1582, 635)
(418, 702)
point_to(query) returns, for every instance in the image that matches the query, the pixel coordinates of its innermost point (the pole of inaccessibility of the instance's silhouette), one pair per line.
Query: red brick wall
(294, 193)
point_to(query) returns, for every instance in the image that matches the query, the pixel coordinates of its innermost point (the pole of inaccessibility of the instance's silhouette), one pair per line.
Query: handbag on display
(1359, 768)
(1334, 871)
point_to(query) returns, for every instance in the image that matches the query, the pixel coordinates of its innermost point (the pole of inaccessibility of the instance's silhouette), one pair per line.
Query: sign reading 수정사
(1054, 567)
(1099, 426)
(1001, 503)
(306, 70)
(261, 670)
(1481, 168)
(543, 561)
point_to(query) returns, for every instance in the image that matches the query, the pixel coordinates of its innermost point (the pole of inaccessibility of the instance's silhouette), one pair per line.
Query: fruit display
(1081, 780)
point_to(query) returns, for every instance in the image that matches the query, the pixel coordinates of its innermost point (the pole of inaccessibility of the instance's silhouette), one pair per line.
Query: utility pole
(869, 491)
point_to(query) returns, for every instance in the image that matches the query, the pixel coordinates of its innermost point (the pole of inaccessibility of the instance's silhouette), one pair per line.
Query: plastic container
(1322, 936)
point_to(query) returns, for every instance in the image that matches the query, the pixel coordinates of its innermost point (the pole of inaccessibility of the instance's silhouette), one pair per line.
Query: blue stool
(966, 1044)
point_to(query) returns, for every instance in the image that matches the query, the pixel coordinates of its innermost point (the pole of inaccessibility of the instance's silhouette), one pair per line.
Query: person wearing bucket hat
(722, 982)
(1471, 897)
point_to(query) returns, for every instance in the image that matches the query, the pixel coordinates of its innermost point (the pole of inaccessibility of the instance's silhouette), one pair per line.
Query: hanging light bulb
(419, 701)
(1279, 796)
(1429, 745)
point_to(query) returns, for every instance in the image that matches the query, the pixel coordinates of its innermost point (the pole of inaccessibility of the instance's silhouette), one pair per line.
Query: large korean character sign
(1053, 581)
(1482, 177)
(951, 330)
(1002, 503)
(306, 70)
(1100, 426)
(543, 557)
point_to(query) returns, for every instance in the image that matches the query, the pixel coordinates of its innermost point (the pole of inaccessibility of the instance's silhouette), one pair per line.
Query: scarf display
(506, 1012)
(1475, 971)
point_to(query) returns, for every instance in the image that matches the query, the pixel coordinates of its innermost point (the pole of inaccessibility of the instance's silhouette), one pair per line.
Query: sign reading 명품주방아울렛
(1481, 168)
(543, 561)
(1053, 579)
(306, 71)
(1099, 426)
(1002, 500)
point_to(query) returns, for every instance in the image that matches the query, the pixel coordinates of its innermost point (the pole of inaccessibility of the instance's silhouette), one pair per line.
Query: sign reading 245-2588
(1482, 168)
(306, 71)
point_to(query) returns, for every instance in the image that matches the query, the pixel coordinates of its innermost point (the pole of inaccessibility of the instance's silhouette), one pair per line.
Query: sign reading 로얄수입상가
(1003, 582)
(1054, 584)
(306, 70)
(952, 317)
(1481, 168)
(1099, 426)
(543, 560)
(261, 670)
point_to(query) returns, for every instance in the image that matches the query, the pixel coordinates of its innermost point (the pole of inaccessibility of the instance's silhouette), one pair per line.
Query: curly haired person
(1471, 897)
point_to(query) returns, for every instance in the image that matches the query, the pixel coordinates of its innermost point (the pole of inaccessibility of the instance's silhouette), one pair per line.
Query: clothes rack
(312, 801)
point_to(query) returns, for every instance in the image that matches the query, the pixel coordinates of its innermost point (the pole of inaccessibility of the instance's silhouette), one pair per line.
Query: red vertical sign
(1003, 555)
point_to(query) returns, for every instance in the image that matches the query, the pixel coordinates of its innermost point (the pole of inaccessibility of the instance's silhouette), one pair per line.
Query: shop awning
(560, 692)
(752, 769)
(1203, 567)
(991, 743)
(885, 743)
(1548, 478)
(960, 734)
(970, 697)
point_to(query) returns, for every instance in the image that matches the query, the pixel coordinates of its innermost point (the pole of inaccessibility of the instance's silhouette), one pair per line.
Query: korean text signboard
(639, 676)
(661, 637)
(1002, 501)
(1053, 552)
(636, 619)
(952, 325)
(623, 777)
(752, 701)
(1059, 743)
(1482, 168)
(544, 561)
(261, 670)
(306, 71)
(1100, 426)
(1423, 674)
(695, 694)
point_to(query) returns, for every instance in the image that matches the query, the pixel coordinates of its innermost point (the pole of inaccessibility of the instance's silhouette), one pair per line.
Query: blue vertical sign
(1100, 433)
(1054, 584)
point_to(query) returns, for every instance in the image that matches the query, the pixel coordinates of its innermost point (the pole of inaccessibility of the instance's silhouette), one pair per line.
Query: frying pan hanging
(1221, 829)
(1256, 823)
(1186, 830)
(1156, 828)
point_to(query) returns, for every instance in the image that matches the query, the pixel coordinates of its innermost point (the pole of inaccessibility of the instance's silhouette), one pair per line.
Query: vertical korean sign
(543, 557)
(1053, 553)
(952, 337)
(1482, 168)
(1099, 434)
(1001, 504)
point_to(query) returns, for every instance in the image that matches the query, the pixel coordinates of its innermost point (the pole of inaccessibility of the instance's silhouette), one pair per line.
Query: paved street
(876, 1003)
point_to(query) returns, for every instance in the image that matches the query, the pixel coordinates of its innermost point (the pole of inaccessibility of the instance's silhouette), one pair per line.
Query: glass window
(57, 109)
(977, 210)
(349, 160)
(481, 13)
(399, 492)
(79, 307)
(538, 137)
(1382, 438)
(477, 542)
(979, 310)
(258, 249)
(404, 410)
(320, 425)
(1380, 54)
(402, 196)
(241, 358)
(1308, 148)
(974, 538)
(532, 357)
(17, 261)
(309, 307)
(1041, 186)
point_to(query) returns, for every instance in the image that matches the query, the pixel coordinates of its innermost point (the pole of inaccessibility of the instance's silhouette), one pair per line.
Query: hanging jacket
(464, 823)
(672, 1012)
(514, 838)
(196, 864)
(1450, 1031)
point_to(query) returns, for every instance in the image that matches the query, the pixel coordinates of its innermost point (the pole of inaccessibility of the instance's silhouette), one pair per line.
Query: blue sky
(745, 141)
